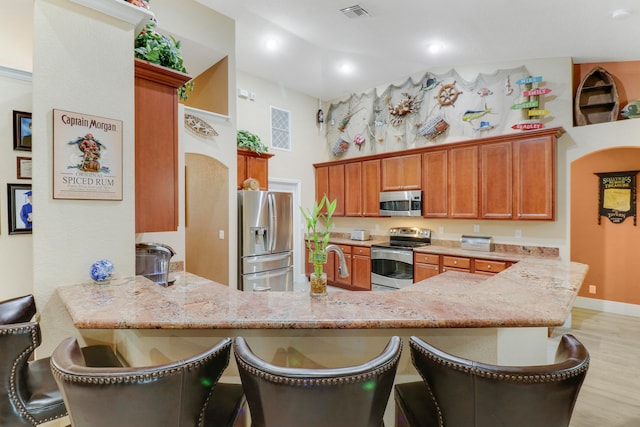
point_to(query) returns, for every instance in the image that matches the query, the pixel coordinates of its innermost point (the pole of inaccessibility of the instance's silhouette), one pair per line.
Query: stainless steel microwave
(401, 203)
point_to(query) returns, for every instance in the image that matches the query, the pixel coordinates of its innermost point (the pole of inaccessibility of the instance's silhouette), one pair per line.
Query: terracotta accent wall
(612, 251)
(210, 91)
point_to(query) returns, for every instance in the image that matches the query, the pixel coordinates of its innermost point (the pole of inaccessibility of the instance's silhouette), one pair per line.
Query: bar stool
(177, 394)
(29, 395)
(458, 392)
(353, 396)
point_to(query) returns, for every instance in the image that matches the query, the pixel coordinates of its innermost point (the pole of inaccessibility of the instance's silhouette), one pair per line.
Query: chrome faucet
(342, 268)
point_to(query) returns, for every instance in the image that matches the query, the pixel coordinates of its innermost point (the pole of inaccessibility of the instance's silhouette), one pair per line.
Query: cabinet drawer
(345, 248)
(426, 258)
(490, 266)
(360, 250)
(457, 262)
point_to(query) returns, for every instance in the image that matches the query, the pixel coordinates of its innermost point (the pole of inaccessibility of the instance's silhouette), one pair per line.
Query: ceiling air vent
(355, 11)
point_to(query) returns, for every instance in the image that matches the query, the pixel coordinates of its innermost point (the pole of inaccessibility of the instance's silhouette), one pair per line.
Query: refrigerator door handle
(273, 223)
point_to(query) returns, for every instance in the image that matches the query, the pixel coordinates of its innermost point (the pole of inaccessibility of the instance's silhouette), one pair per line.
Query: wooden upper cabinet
(156, 146)
(401, 173)
(535, 177)
(435, 167)
(463, 182)
(496, 181)
(371, 188)
(336, 188)
(353, 189)
(253, 165)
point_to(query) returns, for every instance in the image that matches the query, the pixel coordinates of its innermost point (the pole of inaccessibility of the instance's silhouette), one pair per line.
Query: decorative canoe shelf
(596, 99)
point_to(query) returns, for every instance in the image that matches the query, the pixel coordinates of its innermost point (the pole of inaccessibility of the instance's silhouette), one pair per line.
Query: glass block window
(280, 129)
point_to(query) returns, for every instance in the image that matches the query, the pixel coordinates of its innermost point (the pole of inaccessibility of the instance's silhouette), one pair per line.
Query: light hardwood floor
(610, 395)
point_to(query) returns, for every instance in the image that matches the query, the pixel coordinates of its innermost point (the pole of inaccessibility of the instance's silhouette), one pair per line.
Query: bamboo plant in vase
(317, 241)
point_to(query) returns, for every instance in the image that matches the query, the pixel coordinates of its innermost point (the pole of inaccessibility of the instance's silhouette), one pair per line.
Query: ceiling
(390, 44)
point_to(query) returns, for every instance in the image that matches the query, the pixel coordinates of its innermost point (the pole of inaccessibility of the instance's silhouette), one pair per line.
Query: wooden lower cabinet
(425, 266)
(428, 265)
(358, 259)
(361, 268)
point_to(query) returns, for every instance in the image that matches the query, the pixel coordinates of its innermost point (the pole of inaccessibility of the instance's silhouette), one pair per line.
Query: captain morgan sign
(87, 157)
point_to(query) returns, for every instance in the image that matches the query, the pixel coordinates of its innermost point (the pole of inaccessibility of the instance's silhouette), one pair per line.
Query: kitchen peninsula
(534, 294)
(502, 318)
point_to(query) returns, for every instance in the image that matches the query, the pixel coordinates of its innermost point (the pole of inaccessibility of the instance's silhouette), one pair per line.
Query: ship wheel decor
(448, 94)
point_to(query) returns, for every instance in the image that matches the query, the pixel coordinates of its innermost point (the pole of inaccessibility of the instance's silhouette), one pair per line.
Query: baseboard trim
(608, 306)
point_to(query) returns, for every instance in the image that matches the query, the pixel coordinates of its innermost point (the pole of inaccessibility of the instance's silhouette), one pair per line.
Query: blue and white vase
(101, 271)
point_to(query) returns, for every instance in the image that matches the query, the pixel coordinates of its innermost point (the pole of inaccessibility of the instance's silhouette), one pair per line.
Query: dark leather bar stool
(29, 394)
(458, 392)
(340, 397)
(184, 393)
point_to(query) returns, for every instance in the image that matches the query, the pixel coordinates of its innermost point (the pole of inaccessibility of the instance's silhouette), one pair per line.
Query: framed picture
(20, 208)
(87, 157)
(24, 168)
(21, 131)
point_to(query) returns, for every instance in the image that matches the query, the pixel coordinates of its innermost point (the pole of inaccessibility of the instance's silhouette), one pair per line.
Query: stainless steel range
(392, 263)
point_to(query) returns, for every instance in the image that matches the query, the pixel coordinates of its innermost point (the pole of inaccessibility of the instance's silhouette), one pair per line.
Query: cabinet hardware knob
(489, 267)
(455, 262)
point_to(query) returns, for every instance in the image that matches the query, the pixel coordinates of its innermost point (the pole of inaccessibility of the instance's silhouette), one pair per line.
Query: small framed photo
(24, 168)
(20, 208)
(21, 131)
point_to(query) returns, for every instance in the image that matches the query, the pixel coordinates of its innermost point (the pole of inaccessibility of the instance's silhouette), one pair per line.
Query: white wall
(91, 75)
(15, 250)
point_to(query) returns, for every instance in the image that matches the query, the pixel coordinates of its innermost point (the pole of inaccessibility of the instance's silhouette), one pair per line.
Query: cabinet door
(371, 188)
(401, 173)
(463, 182)
(534, 177)
(424, 271)
(345, 281)
(496, 181)
(336, 188)
(242, 170)
(353, 189)
(258, 168)
(434, 184)
(322, 183)
(361, 268)
(156, 147)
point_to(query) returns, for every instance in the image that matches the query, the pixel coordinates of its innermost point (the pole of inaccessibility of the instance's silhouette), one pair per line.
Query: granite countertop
(535, 292)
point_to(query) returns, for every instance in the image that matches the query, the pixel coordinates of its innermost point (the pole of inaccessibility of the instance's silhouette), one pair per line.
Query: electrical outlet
(592, 289)
(221, 234)
(518, 233)
(441, 230)
(476, 228)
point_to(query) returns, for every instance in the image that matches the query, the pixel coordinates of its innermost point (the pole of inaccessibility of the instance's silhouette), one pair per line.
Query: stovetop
(407, 238)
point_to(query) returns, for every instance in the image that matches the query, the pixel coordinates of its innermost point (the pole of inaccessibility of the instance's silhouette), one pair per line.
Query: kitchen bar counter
(535, 292)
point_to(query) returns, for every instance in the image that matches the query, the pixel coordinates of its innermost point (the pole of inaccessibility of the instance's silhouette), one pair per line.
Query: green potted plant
(317, 241)
(251, 141)
(152, 46)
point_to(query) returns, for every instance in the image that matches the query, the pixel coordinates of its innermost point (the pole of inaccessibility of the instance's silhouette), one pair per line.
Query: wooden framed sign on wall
(87, 157)
(617, 197)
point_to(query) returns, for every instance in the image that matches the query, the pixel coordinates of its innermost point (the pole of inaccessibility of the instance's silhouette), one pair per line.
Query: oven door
(391, 267)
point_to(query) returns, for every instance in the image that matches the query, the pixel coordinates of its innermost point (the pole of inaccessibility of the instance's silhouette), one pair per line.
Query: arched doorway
(206, 217)
(612, 251)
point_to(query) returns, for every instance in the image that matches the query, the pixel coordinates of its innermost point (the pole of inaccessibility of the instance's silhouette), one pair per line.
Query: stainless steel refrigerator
(265, 241)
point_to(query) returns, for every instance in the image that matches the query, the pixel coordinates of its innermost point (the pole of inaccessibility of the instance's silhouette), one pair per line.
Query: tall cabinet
(156, 146)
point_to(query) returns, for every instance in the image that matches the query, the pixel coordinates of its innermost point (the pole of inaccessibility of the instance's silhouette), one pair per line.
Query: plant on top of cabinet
(152, 46)
(317, 241)
(251, 142)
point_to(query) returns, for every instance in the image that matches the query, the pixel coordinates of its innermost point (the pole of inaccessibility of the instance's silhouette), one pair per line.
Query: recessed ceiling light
(271, 43)
(435, 47)
(346, 68)
(620, 14)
